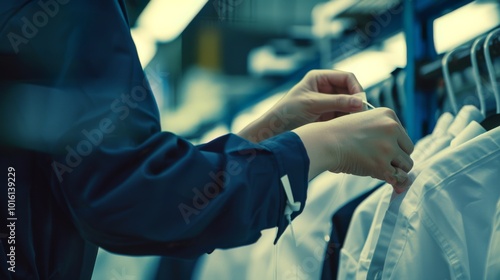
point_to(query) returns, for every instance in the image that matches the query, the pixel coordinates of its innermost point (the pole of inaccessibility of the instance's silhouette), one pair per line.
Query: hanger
(475, 72)
(446, 75)
(494, 120)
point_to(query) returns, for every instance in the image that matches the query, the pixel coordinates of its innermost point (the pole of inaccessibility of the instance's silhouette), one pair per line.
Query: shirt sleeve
(183, 200)
(74, 93)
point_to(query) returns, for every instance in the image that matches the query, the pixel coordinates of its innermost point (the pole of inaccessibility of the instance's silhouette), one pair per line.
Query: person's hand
(371, 143)
(321, 95)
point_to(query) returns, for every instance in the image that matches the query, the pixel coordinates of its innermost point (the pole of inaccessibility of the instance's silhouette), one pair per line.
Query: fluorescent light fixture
(464, 24)
(370, 67)
(162, 21)
(395, 46)
(145, 45)
(165, 20)
(323, 15)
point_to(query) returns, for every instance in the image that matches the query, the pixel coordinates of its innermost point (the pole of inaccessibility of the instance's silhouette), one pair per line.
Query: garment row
(442, 227)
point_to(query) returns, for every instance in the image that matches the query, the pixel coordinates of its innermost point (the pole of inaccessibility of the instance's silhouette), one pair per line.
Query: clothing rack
(461, 61)
(416, 21)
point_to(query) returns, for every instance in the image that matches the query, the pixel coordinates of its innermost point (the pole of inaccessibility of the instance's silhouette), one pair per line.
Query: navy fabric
(175, 269)
(81, 128)
(340, 224)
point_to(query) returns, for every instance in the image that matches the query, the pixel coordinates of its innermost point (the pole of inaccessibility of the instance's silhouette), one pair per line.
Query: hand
(371, 143)
(321, 95)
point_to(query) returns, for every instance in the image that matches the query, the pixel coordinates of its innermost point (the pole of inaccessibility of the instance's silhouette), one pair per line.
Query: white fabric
(440, 130)
(363, 216)
(444, 224)
(359, 246)
(357, 234)
(312, 229)
(472, 130)
(326, 194)
(493, 260)
(464, 117)
(374, 253)
(466, 114)
(442, 124)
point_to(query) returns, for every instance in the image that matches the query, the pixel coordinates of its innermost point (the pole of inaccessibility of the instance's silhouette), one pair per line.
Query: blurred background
(216, 65)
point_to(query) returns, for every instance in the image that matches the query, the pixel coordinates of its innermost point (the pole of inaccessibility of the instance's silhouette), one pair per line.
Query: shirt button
(327, 238)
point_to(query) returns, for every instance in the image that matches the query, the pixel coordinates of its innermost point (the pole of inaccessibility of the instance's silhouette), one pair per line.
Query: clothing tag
(291, 205)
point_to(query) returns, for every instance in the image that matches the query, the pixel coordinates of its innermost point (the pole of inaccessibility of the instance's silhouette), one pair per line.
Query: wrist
(257, 131)
(316, 140)
(268, 125)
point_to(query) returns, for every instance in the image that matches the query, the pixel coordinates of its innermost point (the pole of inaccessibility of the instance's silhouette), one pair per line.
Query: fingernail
(356, 102)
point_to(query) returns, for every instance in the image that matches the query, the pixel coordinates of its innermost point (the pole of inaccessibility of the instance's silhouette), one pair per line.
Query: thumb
(346, 103)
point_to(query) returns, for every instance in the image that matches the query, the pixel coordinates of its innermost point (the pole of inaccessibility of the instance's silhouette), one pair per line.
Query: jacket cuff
(293, 162)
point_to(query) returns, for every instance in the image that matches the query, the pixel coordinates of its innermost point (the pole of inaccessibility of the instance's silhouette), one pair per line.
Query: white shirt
(444, 224)
(440, 130)
(465, 116)
(361, 226)
(374, 254)
(372, 211)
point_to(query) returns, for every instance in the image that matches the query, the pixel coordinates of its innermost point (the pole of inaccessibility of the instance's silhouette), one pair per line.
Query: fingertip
(397, 189)
(356, 103)
(404, 185)
(400, 187)
(354, 85)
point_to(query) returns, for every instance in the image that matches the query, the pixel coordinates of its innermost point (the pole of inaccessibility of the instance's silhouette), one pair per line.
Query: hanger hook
(491, 68)
(475, 71)
(447, 80)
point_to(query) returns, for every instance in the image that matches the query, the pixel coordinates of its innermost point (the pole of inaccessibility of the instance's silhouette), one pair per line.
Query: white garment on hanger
(445, 221)
(375, 206)
(440, 130)
(357, 234)
(363, 216)
(465, 116)
(374, 254)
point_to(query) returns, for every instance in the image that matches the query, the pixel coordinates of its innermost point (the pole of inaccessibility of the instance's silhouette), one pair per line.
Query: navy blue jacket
(80, 129)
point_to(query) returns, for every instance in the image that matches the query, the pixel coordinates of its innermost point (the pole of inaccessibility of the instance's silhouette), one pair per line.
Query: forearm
(227, 184)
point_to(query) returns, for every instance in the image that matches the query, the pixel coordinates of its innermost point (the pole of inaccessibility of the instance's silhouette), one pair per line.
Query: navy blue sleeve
(72, 89)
